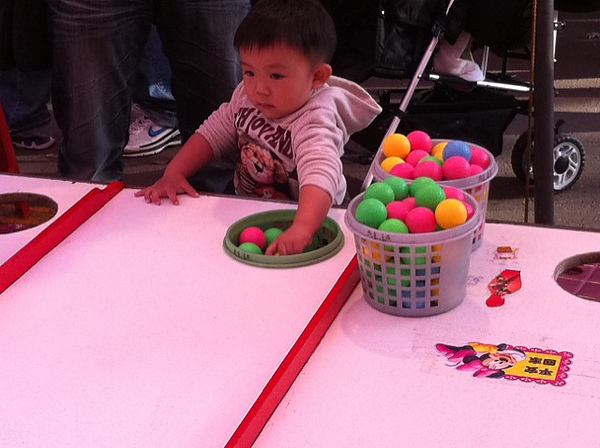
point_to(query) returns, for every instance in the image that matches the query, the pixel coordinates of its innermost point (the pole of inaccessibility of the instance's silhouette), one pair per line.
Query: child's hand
(168, 186)
(292, 241)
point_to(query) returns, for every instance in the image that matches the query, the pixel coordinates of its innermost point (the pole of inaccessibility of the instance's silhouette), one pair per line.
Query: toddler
(289, 119)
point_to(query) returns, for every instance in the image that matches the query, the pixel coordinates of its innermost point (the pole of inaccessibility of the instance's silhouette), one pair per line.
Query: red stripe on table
(51, 236)
(287, 372)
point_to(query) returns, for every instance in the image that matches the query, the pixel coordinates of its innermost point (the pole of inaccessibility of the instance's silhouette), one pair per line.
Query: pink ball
(480, 157)
(470, 210)
(254, 235)
(454, 193)
(415, 156)
(428, 168)
(397, 210)
(456, 167)
(476, 169)
(419, 140)
(421, 220)
(410, 203)
(403, 170)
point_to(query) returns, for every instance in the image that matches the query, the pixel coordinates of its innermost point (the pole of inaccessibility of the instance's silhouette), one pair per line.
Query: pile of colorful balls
(415, 155)
(392, 205)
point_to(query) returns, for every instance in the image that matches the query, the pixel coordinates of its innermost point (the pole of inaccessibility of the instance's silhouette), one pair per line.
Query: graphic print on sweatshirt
(266, 168)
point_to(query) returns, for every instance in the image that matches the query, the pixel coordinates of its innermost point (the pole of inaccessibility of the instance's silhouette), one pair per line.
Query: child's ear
(321, 75)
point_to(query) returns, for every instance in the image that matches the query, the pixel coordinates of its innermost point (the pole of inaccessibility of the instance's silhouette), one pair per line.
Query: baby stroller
(407, 34)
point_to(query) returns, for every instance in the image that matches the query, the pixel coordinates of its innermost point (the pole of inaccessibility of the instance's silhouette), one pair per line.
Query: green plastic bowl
(330, 240)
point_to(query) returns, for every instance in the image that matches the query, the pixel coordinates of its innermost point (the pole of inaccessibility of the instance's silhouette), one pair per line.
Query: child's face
(279, 80)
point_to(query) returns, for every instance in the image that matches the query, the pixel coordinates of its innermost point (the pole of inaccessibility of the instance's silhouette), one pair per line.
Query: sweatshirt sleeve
(319, 147)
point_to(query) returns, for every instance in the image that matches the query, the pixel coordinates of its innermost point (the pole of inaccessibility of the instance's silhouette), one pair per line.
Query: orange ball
(390, 162)
(438, 150)
(450, 213)
(396, 145)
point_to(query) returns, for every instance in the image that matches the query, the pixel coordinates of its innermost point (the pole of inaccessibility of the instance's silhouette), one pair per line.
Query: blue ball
(457, 148)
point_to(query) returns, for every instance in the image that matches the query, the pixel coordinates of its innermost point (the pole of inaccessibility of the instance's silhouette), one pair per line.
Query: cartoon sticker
(508, 362)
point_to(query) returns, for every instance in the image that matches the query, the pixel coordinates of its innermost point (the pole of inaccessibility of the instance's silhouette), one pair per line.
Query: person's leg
(448, 59)
(154, 124)
(152, 87)
(24, 97)
(198, 41)
(96, 50)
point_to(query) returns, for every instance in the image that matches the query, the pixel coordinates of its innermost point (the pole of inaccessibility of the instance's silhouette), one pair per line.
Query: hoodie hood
(357, 109)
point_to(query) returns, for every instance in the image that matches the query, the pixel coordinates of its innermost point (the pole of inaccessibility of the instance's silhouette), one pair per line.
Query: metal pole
(543, 113)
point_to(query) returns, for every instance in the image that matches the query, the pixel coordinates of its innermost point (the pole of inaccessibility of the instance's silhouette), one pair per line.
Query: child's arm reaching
(193, 155)
(313, 205)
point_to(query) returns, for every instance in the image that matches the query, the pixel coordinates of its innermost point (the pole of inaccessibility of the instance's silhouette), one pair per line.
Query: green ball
(432, 159)
(272, 233)
(393, 225)
(380, 191)
(429, 196)
(250, 247)
(399, 186)
(371, 212)
(313, 245)
(419, 183)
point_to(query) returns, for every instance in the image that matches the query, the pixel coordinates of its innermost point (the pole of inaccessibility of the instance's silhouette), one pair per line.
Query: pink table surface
(376, 380)
(138, 330)
(64, 193)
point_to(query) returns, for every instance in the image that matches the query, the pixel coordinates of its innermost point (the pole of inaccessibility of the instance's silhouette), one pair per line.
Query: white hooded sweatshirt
(278, 157)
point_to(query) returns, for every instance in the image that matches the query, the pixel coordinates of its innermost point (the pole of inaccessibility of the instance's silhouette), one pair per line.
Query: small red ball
(254, 235)
(403, 170)
(397, 210)
(421, 220)
(480, 156)
(428, 168)
(454, 193)
(415, 156)
(419, 140)
(470, 210)
(456, 167)
(410, 202)
(475, 170)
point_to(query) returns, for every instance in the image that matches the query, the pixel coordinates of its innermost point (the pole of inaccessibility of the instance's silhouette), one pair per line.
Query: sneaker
(32, 142)
(147, 138)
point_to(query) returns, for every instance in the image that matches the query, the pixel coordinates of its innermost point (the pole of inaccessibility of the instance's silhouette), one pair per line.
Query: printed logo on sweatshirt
(249, 120)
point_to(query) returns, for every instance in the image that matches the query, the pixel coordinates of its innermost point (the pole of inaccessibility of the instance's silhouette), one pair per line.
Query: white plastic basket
(477, 186)
(417, 274)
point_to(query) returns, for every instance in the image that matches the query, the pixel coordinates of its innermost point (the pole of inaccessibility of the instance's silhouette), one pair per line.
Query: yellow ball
(450, 213)
(389, 162)
(438, 150)
(396, 145)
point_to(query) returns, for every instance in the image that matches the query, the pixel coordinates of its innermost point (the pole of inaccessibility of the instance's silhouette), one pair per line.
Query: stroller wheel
(569, 160)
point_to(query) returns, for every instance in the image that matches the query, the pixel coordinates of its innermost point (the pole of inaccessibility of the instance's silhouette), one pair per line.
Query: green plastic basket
(329, 240)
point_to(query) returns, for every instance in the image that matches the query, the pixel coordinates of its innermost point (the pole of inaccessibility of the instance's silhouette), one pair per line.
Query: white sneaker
(147, 138)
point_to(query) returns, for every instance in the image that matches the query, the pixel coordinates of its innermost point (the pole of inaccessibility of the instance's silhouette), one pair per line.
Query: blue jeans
(152, 86)
(97, 48)
(24, 97)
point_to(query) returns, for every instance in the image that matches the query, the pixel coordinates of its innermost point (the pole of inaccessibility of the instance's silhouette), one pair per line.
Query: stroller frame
(568, 151)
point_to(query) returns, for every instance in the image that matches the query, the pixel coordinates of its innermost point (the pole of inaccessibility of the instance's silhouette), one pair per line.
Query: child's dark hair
(302, 24)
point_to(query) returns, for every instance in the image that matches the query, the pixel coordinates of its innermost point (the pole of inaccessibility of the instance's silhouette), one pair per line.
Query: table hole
(580, 276)
(22, 211)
